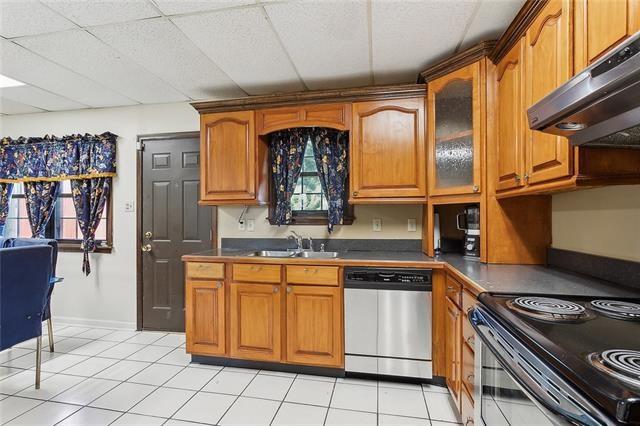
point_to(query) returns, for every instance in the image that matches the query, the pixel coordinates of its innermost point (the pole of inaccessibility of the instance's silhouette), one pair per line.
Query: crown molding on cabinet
(357, 94)
(457, 61)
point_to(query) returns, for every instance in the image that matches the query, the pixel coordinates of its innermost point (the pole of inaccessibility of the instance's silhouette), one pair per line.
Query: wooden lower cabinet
(205, 320)
(314, 325)
(453, 335)
(255, 321)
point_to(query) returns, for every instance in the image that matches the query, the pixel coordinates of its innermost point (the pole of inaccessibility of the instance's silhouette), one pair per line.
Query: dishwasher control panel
(358, 277)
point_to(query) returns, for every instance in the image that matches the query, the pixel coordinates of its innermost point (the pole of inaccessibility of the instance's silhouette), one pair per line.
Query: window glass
(308, 195)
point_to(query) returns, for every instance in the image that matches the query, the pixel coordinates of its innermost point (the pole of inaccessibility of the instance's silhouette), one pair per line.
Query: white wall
(602, 221)
(108, 296)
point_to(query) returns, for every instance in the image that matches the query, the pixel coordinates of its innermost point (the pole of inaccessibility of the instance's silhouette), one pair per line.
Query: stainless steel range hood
(598, 107)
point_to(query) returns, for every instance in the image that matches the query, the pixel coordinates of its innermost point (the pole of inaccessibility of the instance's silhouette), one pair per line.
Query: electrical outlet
(377, 225)
(130, 206)
(411, 225)
(251, 225)
(241, 226)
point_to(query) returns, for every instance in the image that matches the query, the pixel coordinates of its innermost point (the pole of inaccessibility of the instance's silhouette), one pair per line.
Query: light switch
(411, 225)
(130, 207)
(377, 225)
(251, 225)
(241, 226)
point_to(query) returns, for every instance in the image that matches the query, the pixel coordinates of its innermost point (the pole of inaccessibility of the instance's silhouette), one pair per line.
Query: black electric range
(576, 358)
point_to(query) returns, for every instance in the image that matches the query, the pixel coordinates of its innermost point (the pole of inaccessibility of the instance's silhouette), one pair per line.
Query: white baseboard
(121, 325)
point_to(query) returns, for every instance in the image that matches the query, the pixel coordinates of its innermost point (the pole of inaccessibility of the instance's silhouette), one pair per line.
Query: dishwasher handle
(368, 285)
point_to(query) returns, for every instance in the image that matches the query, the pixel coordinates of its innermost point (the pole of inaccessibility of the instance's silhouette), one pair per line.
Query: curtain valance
(54, 159)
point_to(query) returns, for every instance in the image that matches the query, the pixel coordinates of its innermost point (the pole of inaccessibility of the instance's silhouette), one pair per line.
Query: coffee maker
(469, 222)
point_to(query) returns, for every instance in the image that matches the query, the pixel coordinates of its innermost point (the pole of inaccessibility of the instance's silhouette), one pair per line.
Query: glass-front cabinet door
(454, 133)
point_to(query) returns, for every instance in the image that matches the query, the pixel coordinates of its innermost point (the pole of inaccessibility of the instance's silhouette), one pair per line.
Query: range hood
(600, 107)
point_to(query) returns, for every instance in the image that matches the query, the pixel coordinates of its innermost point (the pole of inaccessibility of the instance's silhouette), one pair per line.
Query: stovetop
(595, 350)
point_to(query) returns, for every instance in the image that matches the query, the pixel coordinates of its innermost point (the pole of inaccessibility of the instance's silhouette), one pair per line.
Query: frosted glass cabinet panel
(453, 133)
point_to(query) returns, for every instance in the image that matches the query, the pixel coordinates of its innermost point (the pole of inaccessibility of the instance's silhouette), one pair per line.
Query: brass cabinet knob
(276, 289)
(289, 289)
(476, 188)
(219, 285)
(355, 193)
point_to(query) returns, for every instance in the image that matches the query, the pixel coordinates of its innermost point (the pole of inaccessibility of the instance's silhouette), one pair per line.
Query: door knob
(146, 248)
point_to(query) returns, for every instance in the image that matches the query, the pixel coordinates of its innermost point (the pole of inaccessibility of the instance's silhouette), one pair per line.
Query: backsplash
(394, 224)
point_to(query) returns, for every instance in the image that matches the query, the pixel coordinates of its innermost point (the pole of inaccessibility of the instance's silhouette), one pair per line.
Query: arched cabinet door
(388, 151)
(454, 127)
(229, 154)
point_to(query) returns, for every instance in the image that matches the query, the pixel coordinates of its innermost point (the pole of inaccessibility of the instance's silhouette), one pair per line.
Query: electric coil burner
(547, 308)
(617, 309)
(619, 363)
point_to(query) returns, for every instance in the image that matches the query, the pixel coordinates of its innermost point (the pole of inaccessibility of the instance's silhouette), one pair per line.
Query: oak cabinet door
(510, 159)
(453, 356)
(205, 322)
(255, 321)
(228, 151)
(600, 25)
(314, 325)
(388, 150)
(454, 128)
(547, 66)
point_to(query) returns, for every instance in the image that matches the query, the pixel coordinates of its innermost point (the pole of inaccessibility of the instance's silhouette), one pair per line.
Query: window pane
(66, 208)
(22, 207)
(24, 229)
(296, 202)
(65, 187)
(101, 232)
(309, 165)
(311, 184)
(11, 228)
(68, 229)
(312, 202)
(298, 188)
(18, 188)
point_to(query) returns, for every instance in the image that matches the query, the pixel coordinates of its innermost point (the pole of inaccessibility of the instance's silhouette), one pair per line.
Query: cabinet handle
(310, 271)
(517, 178)
(471, 340)
(449, 288)
(255, 268)
(470, 378)
(355, 193)
(289, 289)
(476, 188)
(276, 289)
(469, 421)
(526, 177)
(219, 285)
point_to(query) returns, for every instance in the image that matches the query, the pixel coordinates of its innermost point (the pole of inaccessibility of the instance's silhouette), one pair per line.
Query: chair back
(24, 284)
(29, 242)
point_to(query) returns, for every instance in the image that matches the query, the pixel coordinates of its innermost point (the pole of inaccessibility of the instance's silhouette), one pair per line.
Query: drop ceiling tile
(492, 18)
(174, 7)
(28, 17)
(328, 41)
(40, 99)
(159, 46)
(242, 43)
(99, 12)
(85, 54)
(8, 107)
(21, 64)
(409, 35)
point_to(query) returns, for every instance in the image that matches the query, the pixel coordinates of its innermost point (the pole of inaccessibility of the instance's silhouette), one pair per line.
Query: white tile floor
(114, 377)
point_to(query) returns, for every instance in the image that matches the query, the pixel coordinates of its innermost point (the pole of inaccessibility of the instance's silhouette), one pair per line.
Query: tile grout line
(283, 398)
(333, 389)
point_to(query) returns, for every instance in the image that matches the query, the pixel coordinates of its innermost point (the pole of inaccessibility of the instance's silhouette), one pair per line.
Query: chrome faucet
(297, 238)
(310, 243)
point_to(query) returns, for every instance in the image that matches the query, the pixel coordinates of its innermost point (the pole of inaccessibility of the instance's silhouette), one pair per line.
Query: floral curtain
(5, 197)
(330, 149)
(89, 198)
(287, 151)
(40, 198)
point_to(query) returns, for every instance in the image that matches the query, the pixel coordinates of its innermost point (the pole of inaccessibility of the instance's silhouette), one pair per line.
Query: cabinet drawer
(468, 333)
(256, 273)
(467, 413)
(313, 275)
(468, 301)
(205, 270)
(454, 291)
(468, 371)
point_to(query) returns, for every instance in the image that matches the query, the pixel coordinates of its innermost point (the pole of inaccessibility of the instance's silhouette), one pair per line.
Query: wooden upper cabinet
(205, 321)
(510, 120)
(233, 161)
(255, 321)
(388, 151)
(600, 25)
(335, 116)
(314, 326)
(454, 129)
(547, 65)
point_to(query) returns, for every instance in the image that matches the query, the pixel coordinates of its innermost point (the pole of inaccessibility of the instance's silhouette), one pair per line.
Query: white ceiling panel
(243, 44)
(85, 54)
(39, 98)
(21, 64)
(98, 12)
(159, 46)
(174, 7)
(409, 34)
(492, 18)
(328, 41)
(27, 17)
(8, 106)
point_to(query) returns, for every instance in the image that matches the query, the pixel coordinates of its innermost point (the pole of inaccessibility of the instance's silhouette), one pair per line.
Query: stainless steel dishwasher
(388, 322)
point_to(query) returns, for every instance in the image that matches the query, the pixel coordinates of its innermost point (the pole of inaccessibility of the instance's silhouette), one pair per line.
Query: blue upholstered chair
(24, 284)
(29, 242)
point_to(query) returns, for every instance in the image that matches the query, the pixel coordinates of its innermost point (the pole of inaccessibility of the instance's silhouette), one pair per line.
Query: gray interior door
(172, 225)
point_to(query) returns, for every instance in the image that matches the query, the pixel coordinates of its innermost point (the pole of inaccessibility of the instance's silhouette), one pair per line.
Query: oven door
(518, 388)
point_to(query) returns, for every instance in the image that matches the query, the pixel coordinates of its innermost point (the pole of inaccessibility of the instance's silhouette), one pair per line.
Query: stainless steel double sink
(300, 254)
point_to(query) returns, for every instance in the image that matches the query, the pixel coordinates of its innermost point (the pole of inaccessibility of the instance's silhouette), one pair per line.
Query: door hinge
(140, 146)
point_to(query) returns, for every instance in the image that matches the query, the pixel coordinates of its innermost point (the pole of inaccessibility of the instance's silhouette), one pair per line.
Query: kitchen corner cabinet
(388, 151)
(205, 317)
(233, 169)
(255, 321)
(314, 325)
(600, 25)
(454, 132)
(547, 59)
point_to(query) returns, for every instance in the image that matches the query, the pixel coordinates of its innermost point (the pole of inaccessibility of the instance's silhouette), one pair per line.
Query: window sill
(314, 220)
(75, 248)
